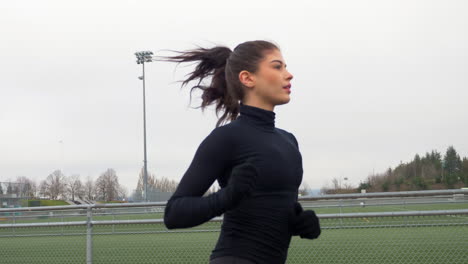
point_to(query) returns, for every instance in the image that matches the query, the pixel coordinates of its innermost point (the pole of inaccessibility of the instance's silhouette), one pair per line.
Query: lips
(287, 86)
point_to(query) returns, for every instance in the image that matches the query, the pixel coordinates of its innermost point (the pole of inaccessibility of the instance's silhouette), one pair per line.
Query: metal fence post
(62, 221)
(341, 220)
(14, 223)
(113, 219)
(89, 237)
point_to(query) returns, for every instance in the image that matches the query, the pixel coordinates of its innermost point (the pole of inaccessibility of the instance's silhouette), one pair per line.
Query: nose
(289, 75)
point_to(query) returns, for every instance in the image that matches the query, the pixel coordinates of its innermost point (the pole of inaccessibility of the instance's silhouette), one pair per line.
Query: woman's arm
(187, 207)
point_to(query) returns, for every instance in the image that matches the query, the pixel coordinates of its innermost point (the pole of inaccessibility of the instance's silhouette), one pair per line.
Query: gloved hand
(305, 224)
(189, 211)
(241, 183)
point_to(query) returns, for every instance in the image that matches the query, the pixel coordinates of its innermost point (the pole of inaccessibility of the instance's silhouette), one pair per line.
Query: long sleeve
(301, 170)
(187, 207)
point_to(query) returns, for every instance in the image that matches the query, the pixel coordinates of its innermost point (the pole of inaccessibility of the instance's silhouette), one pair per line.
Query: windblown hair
(223, 66)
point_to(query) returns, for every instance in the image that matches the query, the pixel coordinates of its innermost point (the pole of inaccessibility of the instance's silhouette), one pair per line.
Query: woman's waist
(264, 230)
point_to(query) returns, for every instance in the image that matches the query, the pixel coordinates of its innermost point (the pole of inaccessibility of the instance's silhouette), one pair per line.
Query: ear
(247, 78)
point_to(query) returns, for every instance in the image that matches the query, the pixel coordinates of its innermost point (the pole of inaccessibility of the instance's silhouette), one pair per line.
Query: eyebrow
(278, 61)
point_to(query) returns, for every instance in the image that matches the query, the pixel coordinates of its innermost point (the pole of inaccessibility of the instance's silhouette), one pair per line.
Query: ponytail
(223, 66)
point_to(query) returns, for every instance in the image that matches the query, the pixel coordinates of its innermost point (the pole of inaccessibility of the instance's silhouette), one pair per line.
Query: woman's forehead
(274, 55)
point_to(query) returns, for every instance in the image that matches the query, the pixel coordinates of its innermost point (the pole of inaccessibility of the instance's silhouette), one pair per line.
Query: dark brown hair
(224, 66)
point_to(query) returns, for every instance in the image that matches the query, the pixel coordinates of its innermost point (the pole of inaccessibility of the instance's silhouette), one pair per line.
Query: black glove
(241, 183)
(305, 224)
(189, 211)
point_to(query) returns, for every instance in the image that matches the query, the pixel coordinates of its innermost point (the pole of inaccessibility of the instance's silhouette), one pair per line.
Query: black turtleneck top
(259, 228)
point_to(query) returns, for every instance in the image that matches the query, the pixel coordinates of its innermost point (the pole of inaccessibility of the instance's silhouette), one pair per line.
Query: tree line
(154, 184)
(59, 186)
(430, 171)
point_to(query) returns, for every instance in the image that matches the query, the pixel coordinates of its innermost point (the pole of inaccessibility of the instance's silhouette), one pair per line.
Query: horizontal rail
(370, 204)
(83, 206)
(384, 194)
(220, 219)
(398, 213)
(302, 198)
(47, 224)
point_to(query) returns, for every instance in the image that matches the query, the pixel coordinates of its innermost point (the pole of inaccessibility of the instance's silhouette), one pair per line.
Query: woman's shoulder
(230, 128)
(284, 132)
(222, 134)
(288, 135)
(231, 133)
(225, 129)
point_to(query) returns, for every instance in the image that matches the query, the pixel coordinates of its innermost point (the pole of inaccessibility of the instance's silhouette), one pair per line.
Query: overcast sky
(375, 82)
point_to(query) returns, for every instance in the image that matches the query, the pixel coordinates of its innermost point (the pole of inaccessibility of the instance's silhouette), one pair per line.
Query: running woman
(257, 165)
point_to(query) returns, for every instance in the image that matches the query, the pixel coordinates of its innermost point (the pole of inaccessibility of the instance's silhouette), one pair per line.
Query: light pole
(142, 57)
(341, 181)
(62, 161)
(346, 179)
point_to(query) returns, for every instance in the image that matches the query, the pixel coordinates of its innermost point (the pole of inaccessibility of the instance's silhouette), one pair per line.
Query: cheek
(268, 85)
(271, 78)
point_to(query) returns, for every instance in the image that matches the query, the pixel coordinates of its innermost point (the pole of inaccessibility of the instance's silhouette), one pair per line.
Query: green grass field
(152, 243)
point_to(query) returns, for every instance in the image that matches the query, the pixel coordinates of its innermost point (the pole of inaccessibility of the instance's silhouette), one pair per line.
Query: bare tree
(43, 189)
(74, 186)
(348, 186)
(338, 186)
(161, 184)
(107, 185)
(141, 181)
(24, 186)
(89, 189)
(165, 184)
(304, 188)
(122, 192)
(336, 183)
(34, 189)
(54, 185)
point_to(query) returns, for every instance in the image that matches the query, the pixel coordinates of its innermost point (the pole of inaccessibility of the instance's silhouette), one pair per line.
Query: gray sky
(375, 82)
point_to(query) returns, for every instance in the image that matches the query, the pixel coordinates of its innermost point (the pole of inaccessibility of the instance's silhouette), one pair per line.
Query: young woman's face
(272, 79)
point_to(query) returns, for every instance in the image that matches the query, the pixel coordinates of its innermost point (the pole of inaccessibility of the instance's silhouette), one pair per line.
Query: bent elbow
(169, 222)
(184, 212)
(169, 219)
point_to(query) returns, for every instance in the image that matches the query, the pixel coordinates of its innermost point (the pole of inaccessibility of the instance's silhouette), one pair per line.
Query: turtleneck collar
(262, 118)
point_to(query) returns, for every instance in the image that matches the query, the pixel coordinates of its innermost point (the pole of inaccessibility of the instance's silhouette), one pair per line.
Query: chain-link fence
(135, 233)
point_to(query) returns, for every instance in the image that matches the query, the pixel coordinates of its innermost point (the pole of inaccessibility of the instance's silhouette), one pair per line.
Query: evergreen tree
(451, 167)
(464, 171)
(417, 166)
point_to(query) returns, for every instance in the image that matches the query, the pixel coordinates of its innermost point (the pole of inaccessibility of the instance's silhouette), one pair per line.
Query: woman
(257, 165)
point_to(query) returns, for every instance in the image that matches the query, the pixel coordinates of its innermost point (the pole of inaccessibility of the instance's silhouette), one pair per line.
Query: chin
(283, 100)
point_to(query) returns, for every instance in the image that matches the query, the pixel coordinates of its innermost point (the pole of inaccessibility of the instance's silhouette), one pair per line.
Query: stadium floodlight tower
(142, 57)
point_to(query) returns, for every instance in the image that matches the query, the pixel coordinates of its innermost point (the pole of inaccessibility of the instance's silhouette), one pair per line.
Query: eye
(278, 67)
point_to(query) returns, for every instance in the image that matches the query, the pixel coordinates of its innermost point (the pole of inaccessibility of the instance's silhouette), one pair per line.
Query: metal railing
(386, 194)
(97, 234)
